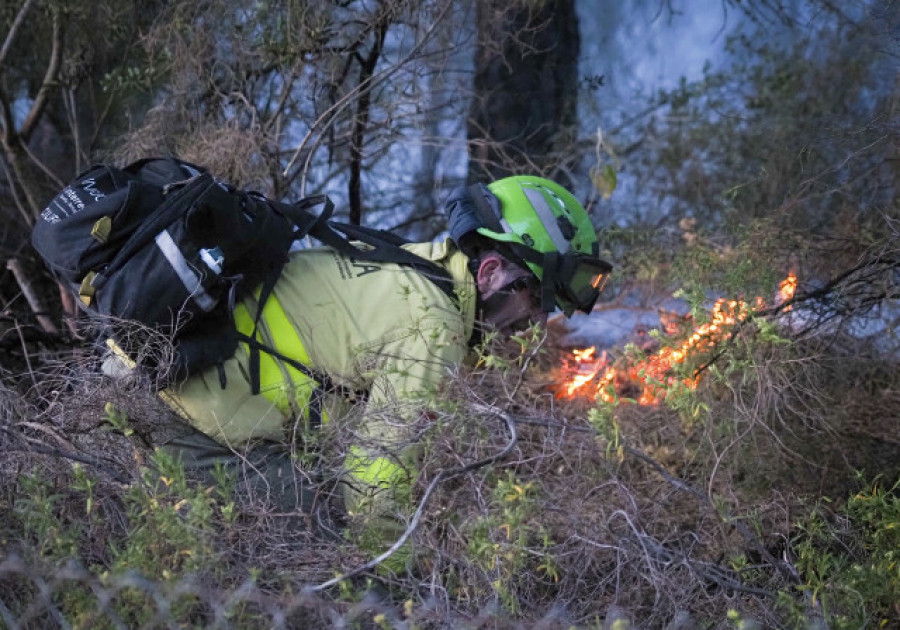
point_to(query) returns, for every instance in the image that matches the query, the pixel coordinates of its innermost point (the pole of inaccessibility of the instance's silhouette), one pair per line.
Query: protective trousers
(265, 472)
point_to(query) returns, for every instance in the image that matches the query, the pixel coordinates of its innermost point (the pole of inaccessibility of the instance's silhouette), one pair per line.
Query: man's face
(510, 297)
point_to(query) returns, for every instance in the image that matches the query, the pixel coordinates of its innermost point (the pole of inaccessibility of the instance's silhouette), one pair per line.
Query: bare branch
(12, 190)
(33, 300)
(27, 445)
(6, 118)
(14, 30)
(329, 116)
(361, 120)
(40, 164)
(43, 95)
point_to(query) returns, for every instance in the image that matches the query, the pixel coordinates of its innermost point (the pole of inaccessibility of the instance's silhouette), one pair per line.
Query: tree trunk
(523, 114)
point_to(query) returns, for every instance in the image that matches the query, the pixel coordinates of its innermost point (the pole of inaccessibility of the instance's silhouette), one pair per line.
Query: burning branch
(654, 373)
(852, 292)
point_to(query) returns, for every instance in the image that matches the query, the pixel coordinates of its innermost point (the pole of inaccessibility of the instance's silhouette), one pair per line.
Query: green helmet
(543, 226)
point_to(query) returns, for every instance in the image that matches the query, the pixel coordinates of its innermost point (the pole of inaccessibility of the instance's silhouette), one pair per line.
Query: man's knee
(264, 472)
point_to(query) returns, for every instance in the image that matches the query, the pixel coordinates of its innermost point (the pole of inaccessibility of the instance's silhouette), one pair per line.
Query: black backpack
(163, 243)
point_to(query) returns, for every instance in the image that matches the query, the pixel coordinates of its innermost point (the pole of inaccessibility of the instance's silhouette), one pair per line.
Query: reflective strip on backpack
(183, 270)
(280, 391)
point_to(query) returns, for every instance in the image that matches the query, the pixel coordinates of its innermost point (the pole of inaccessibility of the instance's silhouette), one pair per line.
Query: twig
(70, 310)
(42, 98)
(14, 30)
(25, 354)
(820, 294)
(369, 84)
(40, 164)
(442, 475)
(33, 300)
(680, 485)
(531, 355)
(10, 167)
(31, 446)
(740, 527)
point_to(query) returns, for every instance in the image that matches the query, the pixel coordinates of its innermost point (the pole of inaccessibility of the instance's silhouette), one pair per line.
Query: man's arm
(382, 464)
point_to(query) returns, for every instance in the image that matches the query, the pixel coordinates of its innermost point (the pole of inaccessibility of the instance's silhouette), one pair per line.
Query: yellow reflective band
(376, 472)
(288, 343)
(280, 383)
(271, 380)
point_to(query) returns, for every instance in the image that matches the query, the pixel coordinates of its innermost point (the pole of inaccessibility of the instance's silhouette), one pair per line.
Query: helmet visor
(579, 282)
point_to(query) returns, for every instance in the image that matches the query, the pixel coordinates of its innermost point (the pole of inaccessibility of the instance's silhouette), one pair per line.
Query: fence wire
(39, 596)
(70, 596)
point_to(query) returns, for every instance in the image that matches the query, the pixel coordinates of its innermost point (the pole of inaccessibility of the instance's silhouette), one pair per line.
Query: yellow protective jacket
(378, 328)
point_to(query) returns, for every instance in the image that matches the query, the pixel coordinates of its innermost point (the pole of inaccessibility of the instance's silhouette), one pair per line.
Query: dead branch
(30, 446)
(49, 82)
(70, 311)
(742, 529)
(41, 165)
(14, 30)
(325, 120)
(26, 216)
(836, 285)
(31, 297)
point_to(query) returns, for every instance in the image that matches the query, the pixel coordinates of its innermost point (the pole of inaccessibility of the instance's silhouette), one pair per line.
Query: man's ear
(490, 274)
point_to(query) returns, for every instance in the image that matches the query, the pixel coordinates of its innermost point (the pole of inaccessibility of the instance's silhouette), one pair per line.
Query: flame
(787, 288)
(584, 376)
(653, 374)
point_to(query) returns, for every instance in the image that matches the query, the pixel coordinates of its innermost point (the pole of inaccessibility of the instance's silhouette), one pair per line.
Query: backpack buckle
(87, 290)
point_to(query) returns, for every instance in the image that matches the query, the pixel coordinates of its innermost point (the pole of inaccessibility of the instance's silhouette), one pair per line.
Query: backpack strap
(322, 382)
(256, 346)
(385, 247)
(307, 222)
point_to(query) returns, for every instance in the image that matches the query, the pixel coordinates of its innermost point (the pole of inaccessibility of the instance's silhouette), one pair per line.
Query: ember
(653, 374)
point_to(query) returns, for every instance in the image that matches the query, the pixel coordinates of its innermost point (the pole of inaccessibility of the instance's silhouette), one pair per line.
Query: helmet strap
(549, 263)
(473, 264)
(495, 300)
(548, 281)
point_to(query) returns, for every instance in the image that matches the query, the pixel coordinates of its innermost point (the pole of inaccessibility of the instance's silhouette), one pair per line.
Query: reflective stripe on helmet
(547, 218)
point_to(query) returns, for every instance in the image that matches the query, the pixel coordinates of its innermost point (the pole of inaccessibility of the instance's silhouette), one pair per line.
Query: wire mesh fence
(71, 596)
(39, 596)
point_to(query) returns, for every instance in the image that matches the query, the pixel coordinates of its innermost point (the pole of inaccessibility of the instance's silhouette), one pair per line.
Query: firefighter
(378, 339)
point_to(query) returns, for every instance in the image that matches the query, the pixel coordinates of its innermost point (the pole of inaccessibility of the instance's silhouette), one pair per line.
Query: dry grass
(565, 530)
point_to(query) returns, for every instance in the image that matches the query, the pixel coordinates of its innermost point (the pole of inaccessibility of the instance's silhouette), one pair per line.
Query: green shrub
(850, 562)
(168, 538)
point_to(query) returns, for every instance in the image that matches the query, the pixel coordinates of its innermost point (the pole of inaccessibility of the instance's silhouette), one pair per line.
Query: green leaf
(605, 180)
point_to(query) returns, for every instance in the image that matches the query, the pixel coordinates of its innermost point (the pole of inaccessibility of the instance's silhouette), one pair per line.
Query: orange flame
(653, 374)
(584, 376)
(787, 288)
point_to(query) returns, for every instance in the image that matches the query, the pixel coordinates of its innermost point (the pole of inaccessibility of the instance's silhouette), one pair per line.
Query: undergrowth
(766, 496)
